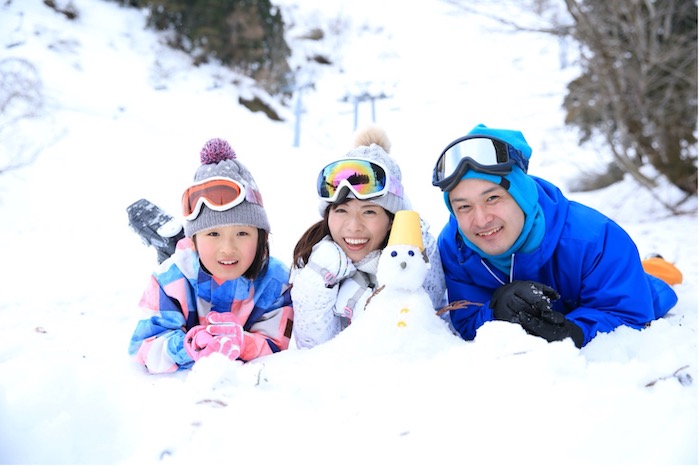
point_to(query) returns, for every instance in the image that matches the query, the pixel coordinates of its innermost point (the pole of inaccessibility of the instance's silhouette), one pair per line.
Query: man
(515, 249)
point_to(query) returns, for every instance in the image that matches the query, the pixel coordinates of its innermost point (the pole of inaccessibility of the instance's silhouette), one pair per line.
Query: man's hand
(552, 326)
(526, 296)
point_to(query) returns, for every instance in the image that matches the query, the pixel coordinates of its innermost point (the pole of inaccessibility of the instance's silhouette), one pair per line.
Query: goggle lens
(363, 178)
(482, 155)
(217, 193)
(485, 152)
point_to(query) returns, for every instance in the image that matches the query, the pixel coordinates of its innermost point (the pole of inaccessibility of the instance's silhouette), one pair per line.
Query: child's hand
(222, 335)
(224, 323)
(331, 262)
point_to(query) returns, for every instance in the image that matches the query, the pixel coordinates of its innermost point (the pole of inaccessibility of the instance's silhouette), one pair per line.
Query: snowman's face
(402, 266)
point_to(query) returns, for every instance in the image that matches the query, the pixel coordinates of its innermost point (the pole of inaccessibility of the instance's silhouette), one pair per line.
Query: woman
(335, 260)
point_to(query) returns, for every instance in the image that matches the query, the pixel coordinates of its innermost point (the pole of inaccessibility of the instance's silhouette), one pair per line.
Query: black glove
(552, 326)
(519, 296)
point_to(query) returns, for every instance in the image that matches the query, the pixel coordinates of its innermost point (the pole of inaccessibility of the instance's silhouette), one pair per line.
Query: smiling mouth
(493, 231)
(356, 242)
(228, 262)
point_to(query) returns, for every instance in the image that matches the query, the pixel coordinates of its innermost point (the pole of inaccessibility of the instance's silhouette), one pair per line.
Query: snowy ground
(125, 119)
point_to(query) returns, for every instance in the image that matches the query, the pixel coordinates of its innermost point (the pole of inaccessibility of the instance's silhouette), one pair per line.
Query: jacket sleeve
(434, 283)
(613, 290)
(314, 319)
(467, 318)
(158, 341)
(270, 330)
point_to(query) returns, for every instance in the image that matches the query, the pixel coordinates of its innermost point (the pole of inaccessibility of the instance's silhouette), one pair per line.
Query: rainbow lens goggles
(480, 154)
(218, 193)
(364, 179)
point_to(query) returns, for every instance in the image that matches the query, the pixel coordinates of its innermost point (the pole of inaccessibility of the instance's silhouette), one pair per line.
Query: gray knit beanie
(219, 159)
(374, 152)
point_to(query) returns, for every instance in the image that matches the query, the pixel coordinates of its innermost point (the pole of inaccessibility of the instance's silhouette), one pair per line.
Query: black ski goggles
(481, 154)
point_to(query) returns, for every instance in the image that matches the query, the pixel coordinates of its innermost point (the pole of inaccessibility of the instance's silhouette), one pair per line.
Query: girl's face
(487, 214)
(228, 251)
(359, 227)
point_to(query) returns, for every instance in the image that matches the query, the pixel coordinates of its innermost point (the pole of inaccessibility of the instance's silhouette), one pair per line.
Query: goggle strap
(253, 196)
(395, 186)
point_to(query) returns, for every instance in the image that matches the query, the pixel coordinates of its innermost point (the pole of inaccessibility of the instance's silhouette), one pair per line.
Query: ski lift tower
(363, 94)
(298, 110)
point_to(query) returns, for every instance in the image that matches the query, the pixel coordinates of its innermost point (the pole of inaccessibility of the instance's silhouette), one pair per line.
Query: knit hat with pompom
(372, 143)
(219, 159)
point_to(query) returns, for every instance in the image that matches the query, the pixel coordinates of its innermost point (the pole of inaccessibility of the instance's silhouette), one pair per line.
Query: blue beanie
(521, 186)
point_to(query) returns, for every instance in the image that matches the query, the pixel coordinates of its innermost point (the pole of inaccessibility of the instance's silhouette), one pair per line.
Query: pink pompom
(216, 150)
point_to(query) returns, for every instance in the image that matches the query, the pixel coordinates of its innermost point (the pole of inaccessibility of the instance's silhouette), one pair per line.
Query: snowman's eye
(411, 253)
(394, 253)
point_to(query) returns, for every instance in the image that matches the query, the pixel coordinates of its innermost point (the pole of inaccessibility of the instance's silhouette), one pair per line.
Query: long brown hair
(318, 231)
(308, 240)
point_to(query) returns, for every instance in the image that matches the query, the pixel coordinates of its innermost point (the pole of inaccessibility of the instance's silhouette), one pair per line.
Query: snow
(125, 118)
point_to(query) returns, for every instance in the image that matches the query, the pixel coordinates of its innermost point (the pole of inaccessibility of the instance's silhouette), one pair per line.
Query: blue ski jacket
(589, 259)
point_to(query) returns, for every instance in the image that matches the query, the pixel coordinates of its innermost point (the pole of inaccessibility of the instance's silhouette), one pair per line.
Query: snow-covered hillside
(125, 118)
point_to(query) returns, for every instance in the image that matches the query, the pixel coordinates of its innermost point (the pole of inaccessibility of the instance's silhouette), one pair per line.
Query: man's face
(487, 215)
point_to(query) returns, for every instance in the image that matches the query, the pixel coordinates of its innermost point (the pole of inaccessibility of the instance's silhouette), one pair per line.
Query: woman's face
(359, 227)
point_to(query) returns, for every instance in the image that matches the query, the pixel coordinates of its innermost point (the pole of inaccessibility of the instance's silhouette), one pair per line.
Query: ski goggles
(481, 154)
(364, 179)
(218, 194)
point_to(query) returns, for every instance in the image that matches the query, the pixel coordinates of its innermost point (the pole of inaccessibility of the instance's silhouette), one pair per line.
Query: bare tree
(21, 97)
(638, 86)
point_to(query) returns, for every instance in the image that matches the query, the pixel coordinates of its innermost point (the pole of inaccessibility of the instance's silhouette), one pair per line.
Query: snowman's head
(402, 266)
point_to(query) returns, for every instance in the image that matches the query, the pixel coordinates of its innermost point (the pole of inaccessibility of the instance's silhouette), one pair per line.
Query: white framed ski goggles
(481, 154)
(364, 179)
(217, 193)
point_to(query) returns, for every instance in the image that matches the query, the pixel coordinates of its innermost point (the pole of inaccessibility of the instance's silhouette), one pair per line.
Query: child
(220, 292)
(335, 260)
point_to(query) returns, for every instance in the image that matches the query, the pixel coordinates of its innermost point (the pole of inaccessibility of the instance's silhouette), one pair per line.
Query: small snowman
(400, 302)
(399, 318)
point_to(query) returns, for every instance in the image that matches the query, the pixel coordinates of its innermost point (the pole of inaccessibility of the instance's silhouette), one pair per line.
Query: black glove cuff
(575, 332)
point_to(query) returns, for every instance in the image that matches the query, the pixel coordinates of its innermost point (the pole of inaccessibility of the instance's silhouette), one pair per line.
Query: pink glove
(224, 323)
(222, 335)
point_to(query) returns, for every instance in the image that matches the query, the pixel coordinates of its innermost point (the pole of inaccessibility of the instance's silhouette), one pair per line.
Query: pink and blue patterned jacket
(180, 294)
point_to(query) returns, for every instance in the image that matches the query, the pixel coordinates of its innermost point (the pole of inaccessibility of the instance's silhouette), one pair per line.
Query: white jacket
(321, 313)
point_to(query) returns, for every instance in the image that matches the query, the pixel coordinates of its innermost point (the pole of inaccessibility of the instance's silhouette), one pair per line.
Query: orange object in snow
(663, 269)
